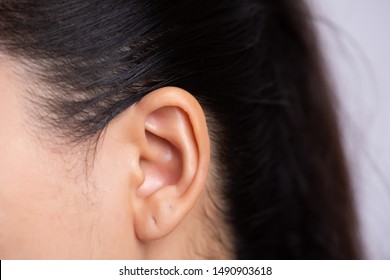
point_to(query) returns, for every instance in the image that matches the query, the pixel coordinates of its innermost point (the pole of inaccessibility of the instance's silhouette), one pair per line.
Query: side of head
(181, 130)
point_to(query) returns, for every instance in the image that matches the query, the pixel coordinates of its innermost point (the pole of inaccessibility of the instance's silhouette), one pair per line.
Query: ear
(168, 130)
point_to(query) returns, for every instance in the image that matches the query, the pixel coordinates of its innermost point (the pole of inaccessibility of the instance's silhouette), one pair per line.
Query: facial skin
(143, 196)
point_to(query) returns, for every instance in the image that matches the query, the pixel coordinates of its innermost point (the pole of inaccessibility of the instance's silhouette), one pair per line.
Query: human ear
(168, 132)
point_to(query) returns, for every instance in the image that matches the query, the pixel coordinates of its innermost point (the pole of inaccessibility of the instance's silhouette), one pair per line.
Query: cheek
(41, 215)
(30, 214)
(45, 212)
(18, 196)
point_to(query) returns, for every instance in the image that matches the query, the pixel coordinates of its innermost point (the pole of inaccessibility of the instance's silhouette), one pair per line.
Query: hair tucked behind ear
(253, 65)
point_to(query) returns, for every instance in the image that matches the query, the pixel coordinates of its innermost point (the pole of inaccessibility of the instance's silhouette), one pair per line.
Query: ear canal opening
(163, 166)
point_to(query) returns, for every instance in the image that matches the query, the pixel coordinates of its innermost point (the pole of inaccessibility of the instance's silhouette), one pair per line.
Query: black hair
(256, 69)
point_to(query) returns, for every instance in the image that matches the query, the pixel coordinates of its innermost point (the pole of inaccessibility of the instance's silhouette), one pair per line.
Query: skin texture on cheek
(48, 208)
(40, 215)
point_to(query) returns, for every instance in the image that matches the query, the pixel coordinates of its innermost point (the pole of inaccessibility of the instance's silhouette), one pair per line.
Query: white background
(281, 270)
(356, 37)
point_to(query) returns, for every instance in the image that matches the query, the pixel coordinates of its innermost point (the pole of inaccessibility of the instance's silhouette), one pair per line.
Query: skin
(142, 197)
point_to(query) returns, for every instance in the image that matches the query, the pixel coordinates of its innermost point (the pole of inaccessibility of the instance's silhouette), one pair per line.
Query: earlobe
(174, 161)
